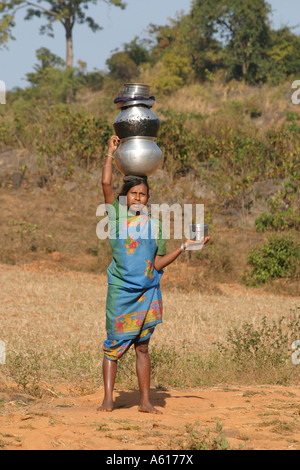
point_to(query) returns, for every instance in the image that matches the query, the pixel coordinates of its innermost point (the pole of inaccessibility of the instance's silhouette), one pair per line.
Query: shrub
(177, 142)
(263, 346)
(58, 132)
(278, 221)
(174, 73)
(277, 258)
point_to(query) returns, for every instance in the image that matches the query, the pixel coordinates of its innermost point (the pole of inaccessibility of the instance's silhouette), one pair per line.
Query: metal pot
(135, 89)
(136, 121)
(138, 156)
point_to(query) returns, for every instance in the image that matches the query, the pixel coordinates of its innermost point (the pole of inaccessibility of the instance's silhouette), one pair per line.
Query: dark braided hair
(130, 181)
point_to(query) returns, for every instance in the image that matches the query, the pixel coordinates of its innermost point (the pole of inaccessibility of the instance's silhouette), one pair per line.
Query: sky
(119, 27)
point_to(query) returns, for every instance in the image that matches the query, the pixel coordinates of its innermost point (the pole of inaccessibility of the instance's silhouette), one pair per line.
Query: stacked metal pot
(137, 127)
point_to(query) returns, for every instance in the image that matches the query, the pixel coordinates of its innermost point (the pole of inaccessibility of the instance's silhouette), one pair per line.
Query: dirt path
(265, 417)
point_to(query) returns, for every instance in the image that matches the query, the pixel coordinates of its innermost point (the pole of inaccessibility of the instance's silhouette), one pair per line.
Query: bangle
(182, 247)
(106, 165)
(109, 155)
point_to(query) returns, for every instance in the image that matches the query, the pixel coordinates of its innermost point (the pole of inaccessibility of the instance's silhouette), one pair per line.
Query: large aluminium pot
(136, 121)
(138, 156)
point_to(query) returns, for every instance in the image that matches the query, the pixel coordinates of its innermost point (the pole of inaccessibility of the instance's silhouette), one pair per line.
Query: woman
(134, 302)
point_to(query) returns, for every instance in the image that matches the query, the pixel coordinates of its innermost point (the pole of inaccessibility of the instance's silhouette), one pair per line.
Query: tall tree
(242, 26)
(67, 12)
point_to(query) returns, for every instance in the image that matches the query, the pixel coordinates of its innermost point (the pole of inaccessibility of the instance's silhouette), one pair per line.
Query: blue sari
(134, 301)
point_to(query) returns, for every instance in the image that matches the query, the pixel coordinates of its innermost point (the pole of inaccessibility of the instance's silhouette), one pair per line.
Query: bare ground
(252, 418)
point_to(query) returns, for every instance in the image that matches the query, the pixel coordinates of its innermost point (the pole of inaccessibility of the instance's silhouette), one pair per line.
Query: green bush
(177, 142)
(174, 73)
(277, 258)
(278, 221)
(57, 131)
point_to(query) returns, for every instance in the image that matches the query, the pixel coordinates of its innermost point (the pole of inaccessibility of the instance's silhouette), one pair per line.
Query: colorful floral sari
(134, 302)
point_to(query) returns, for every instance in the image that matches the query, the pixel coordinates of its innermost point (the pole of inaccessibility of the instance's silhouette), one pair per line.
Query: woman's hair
(130, 181)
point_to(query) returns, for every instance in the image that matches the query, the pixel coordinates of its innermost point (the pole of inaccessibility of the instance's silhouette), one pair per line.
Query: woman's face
(137, 197)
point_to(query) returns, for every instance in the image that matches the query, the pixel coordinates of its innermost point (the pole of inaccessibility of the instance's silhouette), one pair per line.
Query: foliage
(94, 80)
(278, 221)
(68, 13)
(278, 257)
(177, 142)
(122, 67)
(6, 24)
(51, 81)
(173, 74)
(59, 134)
(137, 51)
(284, 54)
(268, 344)
(243, 28)
(234, 37)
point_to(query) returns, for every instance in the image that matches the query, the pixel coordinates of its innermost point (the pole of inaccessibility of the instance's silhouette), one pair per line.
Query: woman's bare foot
(149, 409)
(107, 405)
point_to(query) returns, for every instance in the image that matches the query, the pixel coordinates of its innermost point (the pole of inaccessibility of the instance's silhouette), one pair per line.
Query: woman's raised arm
(108, 191)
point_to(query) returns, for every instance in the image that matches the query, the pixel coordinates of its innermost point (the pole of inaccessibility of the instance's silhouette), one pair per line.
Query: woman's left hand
(192, 242)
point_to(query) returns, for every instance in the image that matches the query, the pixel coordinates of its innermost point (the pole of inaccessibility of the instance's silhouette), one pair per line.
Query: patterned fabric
(115, 349)
(134, 302)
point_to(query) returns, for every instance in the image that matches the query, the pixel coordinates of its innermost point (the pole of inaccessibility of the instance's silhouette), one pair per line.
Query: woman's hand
(113, 144)
(192, 242)
(163, 261)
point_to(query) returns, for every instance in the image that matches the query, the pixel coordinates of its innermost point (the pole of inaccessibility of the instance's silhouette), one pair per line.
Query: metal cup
(198, 231)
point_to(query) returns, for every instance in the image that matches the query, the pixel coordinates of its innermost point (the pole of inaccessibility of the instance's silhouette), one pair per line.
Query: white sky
(119, 27)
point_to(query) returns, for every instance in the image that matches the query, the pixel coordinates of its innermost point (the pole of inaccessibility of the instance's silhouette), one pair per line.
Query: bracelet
(182, 247)
(109, 155)
(105, 165)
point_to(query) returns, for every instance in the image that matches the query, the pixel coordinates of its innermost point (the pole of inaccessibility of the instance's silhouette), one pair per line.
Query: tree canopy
(67, 12)
(231, 38)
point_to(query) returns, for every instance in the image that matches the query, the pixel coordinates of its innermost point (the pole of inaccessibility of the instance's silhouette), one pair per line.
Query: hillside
(233, 148)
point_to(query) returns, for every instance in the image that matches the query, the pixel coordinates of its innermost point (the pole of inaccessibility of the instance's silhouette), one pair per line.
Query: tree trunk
(69, 52)
(244, 68)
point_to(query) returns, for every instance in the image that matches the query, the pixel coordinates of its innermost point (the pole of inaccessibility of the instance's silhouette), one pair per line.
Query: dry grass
(206, 99)
(53, 324)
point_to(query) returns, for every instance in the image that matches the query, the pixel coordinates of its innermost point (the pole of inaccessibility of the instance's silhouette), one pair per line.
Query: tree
(67, 12)
(137, 51)
(6, 24)
(52, 82)
(284, 54)
(242, 26)
(122, 67)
